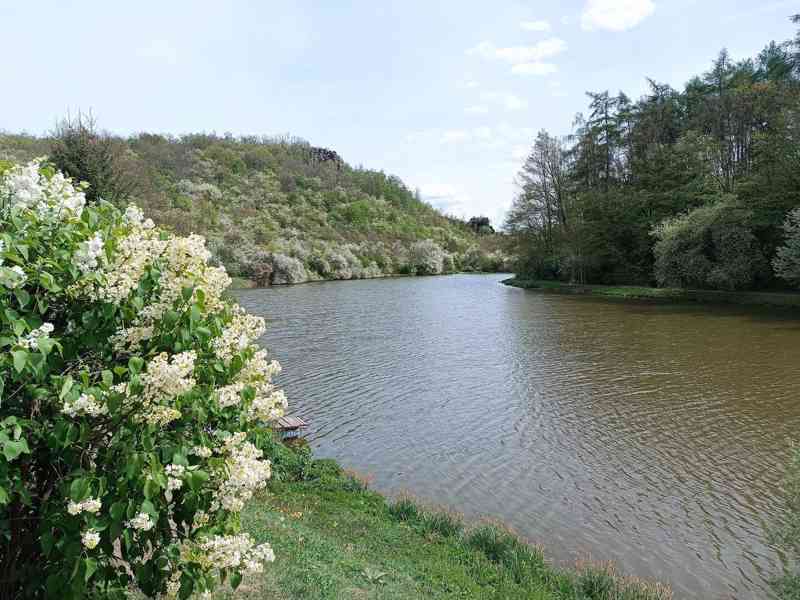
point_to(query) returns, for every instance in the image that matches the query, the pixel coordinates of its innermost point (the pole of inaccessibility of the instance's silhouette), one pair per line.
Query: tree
(481, 225)
(787, 261)
(82, 152)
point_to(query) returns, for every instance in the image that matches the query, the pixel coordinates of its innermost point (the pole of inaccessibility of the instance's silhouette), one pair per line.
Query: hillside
(278, 210)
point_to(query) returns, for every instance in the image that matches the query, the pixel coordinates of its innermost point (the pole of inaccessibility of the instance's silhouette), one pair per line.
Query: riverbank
(334, 538)
(786, 300)
(242, 283)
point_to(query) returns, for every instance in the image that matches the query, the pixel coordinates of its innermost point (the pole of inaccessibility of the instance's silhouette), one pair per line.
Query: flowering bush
(132, 395)
(427, 257)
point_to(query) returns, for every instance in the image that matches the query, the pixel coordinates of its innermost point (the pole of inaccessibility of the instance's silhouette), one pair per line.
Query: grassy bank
(335, 539)
(662, 294)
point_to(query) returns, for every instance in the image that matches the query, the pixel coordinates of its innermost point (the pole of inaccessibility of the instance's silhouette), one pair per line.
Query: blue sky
(448, 95)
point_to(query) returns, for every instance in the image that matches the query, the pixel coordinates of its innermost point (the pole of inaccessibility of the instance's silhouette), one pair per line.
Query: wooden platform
(289, 427)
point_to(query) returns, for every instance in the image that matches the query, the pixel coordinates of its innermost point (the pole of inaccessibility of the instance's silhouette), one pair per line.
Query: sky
(447, 95)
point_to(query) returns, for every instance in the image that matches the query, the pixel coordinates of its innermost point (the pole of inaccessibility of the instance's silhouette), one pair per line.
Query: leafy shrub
(427, 257)
(287, 269)
(131, 394)
(709, 247)
(787, 261)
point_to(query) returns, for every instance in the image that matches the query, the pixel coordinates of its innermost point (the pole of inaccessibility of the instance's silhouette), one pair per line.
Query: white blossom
(141, 522)
(90, 539)
(86, 404)
(90, 505)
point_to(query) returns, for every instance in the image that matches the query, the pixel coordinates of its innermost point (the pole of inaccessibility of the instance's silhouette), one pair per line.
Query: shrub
(787, 261)
(427, 257)
(287, 269)
(709, 247)
(131, 390)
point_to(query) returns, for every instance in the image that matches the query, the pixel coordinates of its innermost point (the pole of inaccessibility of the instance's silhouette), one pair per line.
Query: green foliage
(588, 203)
(121, 468)
(78, 150)
(711, 247)
(265, 203)
(787, 260)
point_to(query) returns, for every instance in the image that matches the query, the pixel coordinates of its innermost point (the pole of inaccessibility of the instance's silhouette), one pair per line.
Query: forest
(692, 188)
(275, 210)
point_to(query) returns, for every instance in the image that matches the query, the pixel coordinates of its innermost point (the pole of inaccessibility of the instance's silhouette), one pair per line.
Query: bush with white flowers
(132, 403)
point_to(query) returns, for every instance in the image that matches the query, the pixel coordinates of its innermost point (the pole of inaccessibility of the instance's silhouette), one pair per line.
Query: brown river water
(651, 435)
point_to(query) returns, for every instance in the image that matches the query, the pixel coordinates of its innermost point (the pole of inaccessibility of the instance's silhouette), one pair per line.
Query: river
(652, 435)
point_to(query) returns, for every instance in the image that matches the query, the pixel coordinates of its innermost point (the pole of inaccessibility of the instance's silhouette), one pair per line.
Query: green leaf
(49, 282)
(236, 579)
(186, 293)
(20, 359)
(79, 489)
(65, 387)
(151, 489)
(12, 449)
(117, 511)
(91, 567)
(3, 495)
(23, 297)
(135, 364)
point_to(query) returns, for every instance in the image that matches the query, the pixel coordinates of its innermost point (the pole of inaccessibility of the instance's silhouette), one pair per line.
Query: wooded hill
(274, 210)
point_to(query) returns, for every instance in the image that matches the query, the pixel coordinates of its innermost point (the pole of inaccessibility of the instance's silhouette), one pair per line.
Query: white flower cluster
(135, 216)
(201, 451)
(86, 404)
(230, 395)
(90, 539)
(31, 341)
(269, 403)
(164, 380)
(182, 262)
(236, 552)
(240, 333)
(90, 505)
(13, 277)
(174, 476)
(88, 252)
(25, 187)
(141, 522)
(246, 472)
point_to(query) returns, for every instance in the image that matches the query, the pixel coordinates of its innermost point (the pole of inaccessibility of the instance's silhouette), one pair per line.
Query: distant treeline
(691, 188)
(274, 209)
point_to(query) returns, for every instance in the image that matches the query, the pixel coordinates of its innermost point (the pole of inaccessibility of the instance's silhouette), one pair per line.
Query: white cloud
(534, 68)
(615, 15)
(477, 109)
(540, 25)
(507, 100)
(448, 198)
(566, 20)
(520, 54)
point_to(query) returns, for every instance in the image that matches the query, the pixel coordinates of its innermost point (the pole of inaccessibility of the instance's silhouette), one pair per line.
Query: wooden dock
(289, 427)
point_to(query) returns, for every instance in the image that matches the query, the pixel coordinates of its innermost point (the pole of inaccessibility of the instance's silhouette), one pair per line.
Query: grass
(336, 539)
(628, 292)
